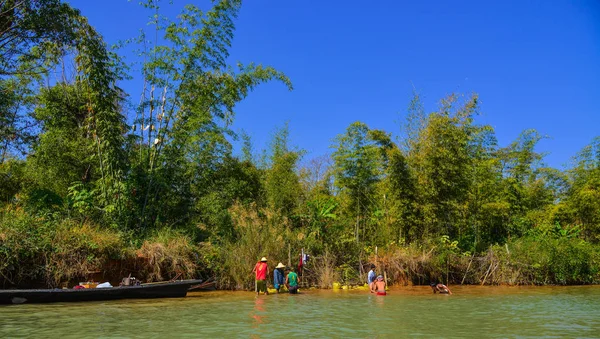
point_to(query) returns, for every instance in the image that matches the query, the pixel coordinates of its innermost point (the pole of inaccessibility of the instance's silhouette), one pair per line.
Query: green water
(472, 312)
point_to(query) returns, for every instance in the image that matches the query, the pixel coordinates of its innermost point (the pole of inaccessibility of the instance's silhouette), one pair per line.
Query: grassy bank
(525, 261)
(41, 251)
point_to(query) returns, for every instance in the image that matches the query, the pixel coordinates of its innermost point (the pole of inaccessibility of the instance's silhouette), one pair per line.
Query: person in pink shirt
(261, 271)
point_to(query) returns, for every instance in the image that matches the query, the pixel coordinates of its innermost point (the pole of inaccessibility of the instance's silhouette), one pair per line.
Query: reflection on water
(259, 310)
(472, 312)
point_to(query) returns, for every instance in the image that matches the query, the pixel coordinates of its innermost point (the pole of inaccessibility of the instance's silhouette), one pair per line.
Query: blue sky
(535, 64)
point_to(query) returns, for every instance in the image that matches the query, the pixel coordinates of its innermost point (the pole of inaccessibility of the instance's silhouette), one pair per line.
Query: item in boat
(88, 284)
(130, 281)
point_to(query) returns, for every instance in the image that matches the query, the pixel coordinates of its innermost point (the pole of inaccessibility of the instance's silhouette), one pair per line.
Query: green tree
(399, 192)
(443, 164)
(34, 34)
(583, 196)
(64, 153)
(357, 170)
(282, 184)
(31, 31)
(186, 108)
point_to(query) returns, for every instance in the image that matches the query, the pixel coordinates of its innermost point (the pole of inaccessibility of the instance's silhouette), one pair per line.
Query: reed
(322, 271)
(167, 254)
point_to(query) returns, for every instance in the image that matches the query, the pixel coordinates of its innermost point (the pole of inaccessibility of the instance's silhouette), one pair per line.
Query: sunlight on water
(472, 312)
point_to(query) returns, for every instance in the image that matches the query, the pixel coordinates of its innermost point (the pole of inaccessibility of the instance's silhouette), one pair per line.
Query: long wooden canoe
(177, 289)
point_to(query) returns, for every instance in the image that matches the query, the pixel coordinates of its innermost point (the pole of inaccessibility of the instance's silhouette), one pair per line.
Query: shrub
(22, 247)
(167, 254)
(547, 260)
(322, 270)
(79, 250)
(34, 249)
(258, 233)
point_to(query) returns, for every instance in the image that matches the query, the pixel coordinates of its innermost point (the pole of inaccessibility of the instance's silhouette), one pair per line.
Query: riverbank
(37, 252)
(45, 252)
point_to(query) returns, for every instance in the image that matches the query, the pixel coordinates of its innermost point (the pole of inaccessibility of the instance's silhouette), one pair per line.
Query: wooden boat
(176, 289)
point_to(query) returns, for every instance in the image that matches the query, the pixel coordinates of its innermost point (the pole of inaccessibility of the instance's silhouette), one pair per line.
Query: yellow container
(88, 284)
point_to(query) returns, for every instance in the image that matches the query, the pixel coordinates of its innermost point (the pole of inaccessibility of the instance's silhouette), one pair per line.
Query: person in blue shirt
(371, 276)
(278, 280)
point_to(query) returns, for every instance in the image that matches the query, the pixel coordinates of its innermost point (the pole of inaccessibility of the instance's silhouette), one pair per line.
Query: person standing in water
(278, 274)
(378, 286)
(261, 270)
(291, 281)
(371, 276)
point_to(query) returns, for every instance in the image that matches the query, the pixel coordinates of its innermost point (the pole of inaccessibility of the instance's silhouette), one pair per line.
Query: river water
(471, 312)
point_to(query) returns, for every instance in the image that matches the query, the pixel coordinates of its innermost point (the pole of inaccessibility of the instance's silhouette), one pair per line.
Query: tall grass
(167, 254)
(322, 270)
(37, 251)
(540, 261)
(33, 249)
(258, 233)
(40, 250)
(79, 250)
(525, 261)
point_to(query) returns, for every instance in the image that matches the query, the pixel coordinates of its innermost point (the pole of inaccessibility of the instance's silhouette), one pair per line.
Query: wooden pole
(467, 271)
(289, 255)
(447, 264)
(360, 268)
(302, 271)
(357, 216)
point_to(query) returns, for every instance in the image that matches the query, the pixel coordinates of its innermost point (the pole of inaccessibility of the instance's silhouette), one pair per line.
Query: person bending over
(291, 281)
(278, 279)
(441, 288)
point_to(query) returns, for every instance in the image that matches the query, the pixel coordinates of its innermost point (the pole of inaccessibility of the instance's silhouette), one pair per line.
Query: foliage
(37, 250)
(356, 172)
(282, 185)
(258, 233)
(167, 254)
(90, 181)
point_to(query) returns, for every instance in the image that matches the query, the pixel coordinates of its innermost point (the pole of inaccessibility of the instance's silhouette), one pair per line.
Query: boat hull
(177, 289)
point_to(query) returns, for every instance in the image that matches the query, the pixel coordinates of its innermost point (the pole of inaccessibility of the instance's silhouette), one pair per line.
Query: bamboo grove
(96, 179)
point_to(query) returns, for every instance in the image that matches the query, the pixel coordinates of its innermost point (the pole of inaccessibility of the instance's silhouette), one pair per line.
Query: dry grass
(405, 265)
(166, 255)
(323, 271)
(258, 233)
(79, 250)
(37, 251)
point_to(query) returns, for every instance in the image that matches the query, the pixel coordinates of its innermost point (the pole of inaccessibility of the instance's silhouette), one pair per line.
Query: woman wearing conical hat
(278, 274)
